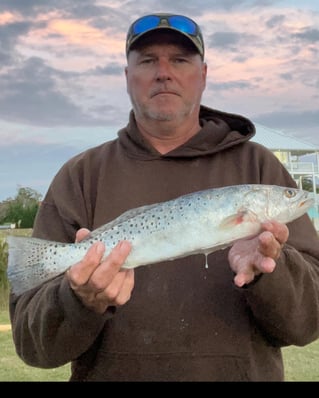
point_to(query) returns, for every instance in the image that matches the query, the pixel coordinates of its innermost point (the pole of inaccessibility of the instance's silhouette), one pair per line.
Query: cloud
(309, 35)
(62, 69)
(275, 21)
(9, 35)
(31, 94)
(10, 32)
(232, 85)
(109, 69)
(292, 120)
(196, 8)
(229, 41)
(224, 39)
(34, 7)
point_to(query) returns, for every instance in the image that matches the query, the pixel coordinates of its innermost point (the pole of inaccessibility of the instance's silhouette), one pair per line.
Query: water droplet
(206, 260)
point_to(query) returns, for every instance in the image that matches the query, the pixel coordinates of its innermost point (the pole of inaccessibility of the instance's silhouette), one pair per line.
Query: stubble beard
(164, 116)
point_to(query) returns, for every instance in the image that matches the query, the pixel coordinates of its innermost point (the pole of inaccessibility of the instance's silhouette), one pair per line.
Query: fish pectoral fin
(238, 218)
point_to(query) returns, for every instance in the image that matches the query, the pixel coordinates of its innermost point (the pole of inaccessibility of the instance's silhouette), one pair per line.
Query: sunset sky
(62, 78)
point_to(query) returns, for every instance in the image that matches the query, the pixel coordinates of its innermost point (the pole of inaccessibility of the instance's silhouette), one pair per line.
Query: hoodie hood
(220, 130)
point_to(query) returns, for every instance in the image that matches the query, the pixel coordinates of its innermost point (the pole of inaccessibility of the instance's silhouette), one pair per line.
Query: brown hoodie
(184, 322)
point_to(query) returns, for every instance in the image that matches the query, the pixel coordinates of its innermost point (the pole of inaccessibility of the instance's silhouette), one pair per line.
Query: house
(291, 151)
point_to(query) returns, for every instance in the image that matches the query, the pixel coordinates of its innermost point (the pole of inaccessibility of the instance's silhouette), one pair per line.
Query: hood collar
(220, 130)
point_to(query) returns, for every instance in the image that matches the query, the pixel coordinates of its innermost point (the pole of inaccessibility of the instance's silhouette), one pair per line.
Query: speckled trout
(200, 222)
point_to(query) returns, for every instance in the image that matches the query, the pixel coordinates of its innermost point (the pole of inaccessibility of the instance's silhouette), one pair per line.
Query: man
(176, 320)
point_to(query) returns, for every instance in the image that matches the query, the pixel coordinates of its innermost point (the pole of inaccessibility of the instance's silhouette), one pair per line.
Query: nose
(163, 71)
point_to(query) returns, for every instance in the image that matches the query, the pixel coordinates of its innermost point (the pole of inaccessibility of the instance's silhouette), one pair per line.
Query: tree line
(22, 209)
(19, 211)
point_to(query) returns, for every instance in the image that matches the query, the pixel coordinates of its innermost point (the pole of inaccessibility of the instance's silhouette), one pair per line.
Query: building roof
(278, 141)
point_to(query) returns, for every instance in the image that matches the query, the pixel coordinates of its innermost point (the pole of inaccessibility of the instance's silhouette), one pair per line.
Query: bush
(3, 264)
(4, 284)
(21, 210)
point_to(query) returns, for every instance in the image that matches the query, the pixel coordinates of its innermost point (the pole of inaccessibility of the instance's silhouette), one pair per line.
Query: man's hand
(101, 284)
(249, 258)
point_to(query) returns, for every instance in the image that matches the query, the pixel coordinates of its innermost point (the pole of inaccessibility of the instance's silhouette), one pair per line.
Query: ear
(126, 76)
(204, 74)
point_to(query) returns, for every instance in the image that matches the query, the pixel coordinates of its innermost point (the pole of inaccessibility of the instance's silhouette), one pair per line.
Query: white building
(291, 151)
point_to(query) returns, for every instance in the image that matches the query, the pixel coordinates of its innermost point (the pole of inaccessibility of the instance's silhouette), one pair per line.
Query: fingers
(107, 270)
(273, 238)
(100, 283)
(249, 258)
(279, 231)
(125, 293)
(269, 246)
(119, 291)
(90, 271)
(244, 277)
(81, 234)
(247, 273)
(80, 273)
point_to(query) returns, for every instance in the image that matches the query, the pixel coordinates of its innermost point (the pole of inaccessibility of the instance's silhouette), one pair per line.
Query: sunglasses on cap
(179, 23)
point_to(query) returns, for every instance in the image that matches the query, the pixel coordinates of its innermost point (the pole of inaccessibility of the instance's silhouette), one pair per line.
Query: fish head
(272, 202)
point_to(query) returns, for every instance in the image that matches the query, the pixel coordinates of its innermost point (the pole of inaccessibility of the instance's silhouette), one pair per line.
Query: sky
(63, 88)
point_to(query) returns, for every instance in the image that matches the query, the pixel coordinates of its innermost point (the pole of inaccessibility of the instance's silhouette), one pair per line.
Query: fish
(196, 223)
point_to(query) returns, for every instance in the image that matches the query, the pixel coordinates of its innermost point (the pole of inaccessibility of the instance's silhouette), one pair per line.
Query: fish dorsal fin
(124, 217)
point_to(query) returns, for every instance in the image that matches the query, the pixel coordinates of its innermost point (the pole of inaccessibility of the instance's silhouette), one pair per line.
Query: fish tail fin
(26, 268)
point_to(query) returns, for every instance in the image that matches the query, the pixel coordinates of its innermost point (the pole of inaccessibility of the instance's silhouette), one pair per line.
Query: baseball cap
(177, 23)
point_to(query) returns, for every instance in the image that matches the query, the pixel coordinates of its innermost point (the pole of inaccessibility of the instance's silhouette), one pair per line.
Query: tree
(21, 210)
(307, 184)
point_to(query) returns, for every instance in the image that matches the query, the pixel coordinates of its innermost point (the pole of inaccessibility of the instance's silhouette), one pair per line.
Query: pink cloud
(71, 44)
(8, 17)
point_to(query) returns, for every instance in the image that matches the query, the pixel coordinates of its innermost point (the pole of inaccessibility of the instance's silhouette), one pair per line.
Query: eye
(290, 193)
(146, 60)
(180, 60)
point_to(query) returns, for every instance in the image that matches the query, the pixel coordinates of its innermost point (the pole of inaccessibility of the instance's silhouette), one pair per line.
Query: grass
(21, 232)
(12, 368)
(301, 363)
(4, 317)
(4, 298)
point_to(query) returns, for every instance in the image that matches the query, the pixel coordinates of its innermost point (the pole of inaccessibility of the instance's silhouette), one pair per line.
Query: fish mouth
(307, 202)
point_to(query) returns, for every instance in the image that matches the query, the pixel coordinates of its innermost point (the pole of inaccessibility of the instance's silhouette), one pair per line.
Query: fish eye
(290, 193)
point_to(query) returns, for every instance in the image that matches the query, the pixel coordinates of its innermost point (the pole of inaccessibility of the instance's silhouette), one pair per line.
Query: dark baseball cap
(177, 23)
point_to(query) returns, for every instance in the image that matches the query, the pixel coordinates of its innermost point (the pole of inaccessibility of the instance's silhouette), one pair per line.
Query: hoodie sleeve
(285, 303)
(51, 327)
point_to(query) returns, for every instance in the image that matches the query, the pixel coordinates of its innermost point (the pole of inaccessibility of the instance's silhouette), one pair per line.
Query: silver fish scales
(200, 222)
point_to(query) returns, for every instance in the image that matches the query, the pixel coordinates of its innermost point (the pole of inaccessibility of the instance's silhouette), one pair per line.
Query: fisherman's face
(165, 81)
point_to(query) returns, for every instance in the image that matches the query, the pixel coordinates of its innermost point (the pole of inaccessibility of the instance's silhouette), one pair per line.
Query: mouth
(160, 93)
(307, 202)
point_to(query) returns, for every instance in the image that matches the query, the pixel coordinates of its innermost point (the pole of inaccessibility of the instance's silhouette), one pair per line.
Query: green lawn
(4, 317)
(301, 364)
(19, 231)
(12, 368)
